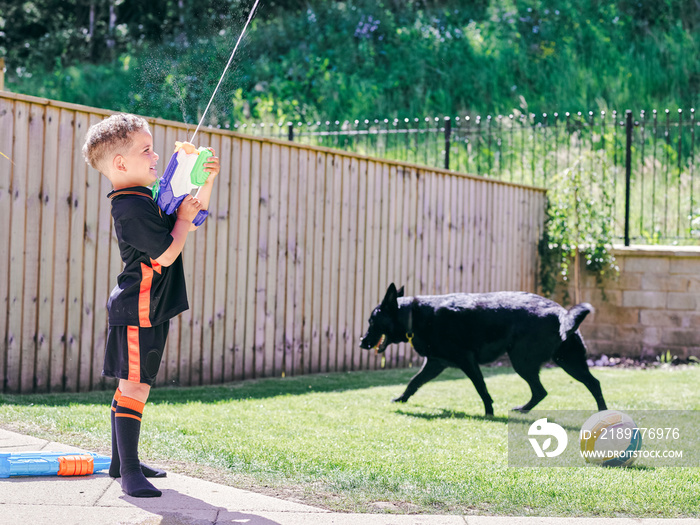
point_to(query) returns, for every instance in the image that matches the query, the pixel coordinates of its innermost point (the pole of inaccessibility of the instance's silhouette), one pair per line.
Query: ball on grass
(610, 438)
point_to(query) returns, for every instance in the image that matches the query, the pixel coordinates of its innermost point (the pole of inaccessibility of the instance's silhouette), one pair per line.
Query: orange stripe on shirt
(134, 355)
(145, 296)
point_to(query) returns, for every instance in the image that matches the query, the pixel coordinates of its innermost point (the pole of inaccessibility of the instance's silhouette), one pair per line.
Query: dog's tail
(573, 318)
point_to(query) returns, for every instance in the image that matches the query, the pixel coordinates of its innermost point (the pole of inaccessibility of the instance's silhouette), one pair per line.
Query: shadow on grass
(444, 413)
(513, 417)
(254, 388)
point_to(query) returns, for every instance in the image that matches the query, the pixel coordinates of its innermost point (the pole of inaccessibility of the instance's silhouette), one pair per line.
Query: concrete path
(99, 500)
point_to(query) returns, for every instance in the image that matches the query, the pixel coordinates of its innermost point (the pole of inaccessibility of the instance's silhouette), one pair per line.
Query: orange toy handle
(75, 465)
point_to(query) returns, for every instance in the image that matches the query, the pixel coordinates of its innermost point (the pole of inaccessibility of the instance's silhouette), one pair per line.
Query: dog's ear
(390, 299)
(400, 293)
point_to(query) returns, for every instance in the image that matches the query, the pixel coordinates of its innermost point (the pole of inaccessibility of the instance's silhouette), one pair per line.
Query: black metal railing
(647, 161)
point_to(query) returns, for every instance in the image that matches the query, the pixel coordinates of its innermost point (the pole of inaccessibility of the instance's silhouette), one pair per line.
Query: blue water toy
(184, 173)
(51, 463)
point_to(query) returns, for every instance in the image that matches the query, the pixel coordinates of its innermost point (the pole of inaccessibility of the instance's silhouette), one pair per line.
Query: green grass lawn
(337, 440)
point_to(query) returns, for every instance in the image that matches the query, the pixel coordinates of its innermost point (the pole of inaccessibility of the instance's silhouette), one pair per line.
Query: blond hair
(111, 136)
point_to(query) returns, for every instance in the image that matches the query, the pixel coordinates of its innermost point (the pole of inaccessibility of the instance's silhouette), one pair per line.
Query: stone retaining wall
(652, 307)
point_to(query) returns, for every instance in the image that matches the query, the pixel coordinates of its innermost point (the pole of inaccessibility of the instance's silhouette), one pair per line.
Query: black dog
(465, 330)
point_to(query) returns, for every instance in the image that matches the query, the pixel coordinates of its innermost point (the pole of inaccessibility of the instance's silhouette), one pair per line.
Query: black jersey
(147, 294)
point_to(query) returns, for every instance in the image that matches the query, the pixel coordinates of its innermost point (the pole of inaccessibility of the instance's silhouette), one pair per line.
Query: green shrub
(579, 224)
(360, 59)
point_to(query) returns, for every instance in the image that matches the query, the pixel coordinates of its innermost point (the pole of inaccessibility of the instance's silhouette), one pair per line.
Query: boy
(151, 288)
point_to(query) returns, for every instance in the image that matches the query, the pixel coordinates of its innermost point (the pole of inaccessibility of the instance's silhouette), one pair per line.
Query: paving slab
(17, 441)
(185, 493)
(77, 515)
(55, 490)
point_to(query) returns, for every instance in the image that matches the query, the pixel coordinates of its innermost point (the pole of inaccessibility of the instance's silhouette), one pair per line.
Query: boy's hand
(212, 166)
(189, 208)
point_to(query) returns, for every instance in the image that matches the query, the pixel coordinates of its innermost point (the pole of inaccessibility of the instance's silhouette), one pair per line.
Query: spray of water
(172, 80)
(250, 17)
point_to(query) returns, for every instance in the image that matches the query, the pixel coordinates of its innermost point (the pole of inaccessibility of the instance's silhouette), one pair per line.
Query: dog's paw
(400, 399)
(521, 409)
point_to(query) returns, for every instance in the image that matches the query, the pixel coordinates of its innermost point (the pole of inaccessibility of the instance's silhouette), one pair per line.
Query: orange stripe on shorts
(145, 295)
(134, 354)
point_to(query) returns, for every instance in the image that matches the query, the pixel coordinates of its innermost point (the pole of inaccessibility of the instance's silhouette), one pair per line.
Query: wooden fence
(300, 245)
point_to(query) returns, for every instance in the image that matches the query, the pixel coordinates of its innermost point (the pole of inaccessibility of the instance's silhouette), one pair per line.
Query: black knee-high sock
(149, 472)
(128, 429)
(115, 464)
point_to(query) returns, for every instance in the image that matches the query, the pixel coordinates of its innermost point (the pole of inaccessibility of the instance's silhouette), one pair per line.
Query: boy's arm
(185, 215)
(204, 193)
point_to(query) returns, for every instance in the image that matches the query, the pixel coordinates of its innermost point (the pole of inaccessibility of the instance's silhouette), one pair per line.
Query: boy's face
(137, 167)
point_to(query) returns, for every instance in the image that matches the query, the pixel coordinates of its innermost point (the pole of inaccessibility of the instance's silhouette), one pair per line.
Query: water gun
(184, 173)
(51, 464)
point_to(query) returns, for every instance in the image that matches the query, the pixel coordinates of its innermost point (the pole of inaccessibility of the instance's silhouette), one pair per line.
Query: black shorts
(134, 353)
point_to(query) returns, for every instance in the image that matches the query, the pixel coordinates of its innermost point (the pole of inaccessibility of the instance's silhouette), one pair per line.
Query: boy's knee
(137, 391)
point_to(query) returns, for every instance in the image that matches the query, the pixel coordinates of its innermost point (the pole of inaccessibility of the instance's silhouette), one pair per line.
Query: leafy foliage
(354, 59)
(578, 224)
